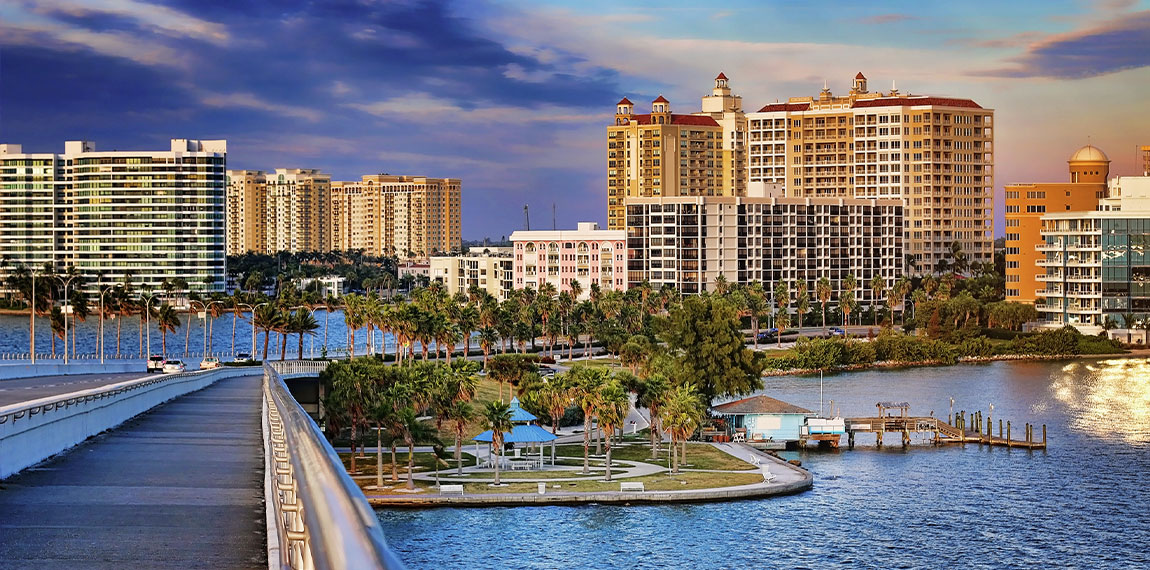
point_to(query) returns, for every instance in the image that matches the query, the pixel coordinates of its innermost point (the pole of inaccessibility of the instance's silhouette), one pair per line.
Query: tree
(847, 297)
(267, 318)
(612, 411)
(783, 300)
(755, 303)
(682, 415)
(303, 323)
(459, 414)
(704, 337)
(878, 291)
(823, 292)
(802, 301)
(509, 368)
(653, 391)
(584, 385)
(167, 321)
(497, 418)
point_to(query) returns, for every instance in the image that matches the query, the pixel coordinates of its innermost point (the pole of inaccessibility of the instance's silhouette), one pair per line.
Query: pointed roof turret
(661, 99)
(721, 75)
(625, 101)
(860, 76)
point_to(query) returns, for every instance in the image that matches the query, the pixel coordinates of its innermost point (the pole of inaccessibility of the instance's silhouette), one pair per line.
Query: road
(25, 389)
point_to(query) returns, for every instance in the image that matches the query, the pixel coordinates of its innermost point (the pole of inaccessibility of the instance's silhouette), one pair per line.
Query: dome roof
(1089, 153)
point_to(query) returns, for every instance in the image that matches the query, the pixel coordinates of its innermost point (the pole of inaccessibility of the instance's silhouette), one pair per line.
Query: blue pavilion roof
(520, 434)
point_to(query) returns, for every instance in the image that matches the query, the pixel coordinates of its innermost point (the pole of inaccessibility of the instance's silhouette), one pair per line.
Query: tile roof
(625, 101)
(916, 101)
(786, 107)
(759, 405)
(860, 76)
(661, 99)
(721, 75)
(695, 120)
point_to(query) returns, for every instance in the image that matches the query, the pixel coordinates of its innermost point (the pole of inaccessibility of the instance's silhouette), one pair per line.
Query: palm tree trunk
(608, 462)
(458, 451)
(233, 332)
(326, 321)
(683, 454)
(267, 333)
(674, 457)
(586, 443)
(497, 449)
(410, 466)
(164, 341)
(301, 346)
(378, 456)
(283, 345)
(187, 335)
(118, 323)
(394, 467)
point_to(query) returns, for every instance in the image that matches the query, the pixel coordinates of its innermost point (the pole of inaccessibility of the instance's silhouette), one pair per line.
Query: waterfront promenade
(181, 486)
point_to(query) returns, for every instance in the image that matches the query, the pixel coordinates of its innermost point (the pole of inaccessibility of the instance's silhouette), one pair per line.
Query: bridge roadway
(180, 486)
(25, 389)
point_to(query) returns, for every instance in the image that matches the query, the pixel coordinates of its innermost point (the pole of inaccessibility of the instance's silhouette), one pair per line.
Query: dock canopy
(758, 405)
(893, 404)
(520, 434)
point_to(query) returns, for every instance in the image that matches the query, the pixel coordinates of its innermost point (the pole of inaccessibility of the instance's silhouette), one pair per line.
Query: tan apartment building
(1145, 160)
(1026, 204)
(489, 269)
(667, 154)
(284, 210)
(934, 153)
(412, 217)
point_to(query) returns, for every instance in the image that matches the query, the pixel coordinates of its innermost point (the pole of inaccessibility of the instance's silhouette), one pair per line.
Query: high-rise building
(153, 214)
(688, 242)
(246, 211)
(489, 269)
(284, 210)
(587, 255)
(934, 153)
(1025, 206)
(668, 154)
(1145, 160)
(1097, 263)
(412, 217)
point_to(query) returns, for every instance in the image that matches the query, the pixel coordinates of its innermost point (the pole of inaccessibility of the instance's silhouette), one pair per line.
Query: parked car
(155, 363)
(173, 366)
(209, 363)
(242, 358)
(546, 371)
(836, 331)
(768, 334)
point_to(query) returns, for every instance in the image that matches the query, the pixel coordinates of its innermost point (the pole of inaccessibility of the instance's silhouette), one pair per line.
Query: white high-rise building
(153, 214)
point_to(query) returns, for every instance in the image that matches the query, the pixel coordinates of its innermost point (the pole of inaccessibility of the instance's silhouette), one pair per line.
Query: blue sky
(514, 96)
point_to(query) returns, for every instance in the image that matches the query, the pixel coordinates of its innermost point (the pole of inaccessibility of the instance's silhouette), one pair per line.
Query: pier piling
(1008, 441)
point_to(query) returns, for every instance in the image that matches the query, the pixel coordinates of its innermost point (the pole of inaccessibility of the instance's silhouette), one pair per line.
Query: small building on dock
(765, 421)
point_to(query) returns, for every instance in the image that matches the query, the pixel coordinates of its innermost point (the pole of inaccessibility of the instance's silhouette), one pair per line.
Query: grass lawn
(662, 482)
(488, 391)
(603, 362)
(699, 455)
(424, 462)
(532, 474)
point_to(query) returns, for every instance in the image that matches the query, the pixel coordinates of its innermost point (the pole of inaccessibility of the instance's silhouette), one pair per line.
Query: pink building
(587, 255)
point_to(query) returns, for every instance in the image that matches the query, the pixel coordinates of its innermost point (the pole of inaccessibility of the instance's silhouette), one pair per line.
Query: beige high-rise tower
(667, 154)
(935, 153)
(284, 210)
(411, 217)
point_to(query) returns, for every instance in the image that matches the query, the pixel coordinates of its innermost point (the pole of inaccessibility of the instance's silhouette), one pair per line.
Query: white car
(242, 358)
(155, 363)
(173, 366)
(209, 363)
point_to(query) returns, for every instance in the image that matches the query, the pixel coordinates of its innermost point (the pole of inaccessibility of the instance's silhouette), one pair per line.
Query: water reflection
(1107, 400)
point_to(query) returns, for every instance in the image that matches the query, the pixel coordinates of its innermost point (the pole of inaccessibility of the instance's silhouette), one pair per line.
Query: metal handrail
(323, 519)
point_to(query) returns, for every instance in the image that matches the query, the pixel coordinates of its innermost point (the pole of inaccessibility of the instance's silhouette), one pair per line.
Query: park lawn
(608, 362)
(595, 473)
(488, 391)
(699, 455)
(424, 462)
(662, 482)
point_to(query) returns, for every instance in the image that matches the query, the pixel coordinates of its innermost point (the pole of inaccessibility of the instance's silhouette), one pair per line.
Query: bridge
(208, 469)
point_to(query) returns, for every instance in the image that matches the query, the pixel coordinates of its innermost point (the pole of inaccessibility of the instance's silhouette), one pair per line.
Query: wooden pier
(895, 418)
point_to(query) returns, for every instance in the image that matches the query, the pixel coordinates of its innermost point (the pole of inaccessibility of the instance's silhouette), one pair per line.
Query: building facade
(935, 153)
(668, 154)
(585, 255)
(1026, 204)
(412, 217)
(154, 215)
(1096, 264)
(284, 210)
(688, 243)
(488, 269)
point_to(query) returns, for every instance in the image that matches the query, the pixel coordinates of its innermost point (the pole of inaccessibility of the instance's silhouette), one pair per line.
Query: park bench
(630, 487)
(451, 489)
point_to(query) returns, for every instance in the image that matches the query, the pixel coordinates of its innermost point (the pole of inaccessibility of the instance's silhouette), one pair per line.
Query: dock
(961, 429)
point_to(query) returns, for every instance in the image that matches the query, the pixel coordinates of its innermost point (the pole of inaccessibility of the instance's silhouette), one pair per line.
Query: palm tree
(682, 414)
(576, 289)
(353, 318)
(266, 318)
(802, 301)
(653, 392)
(585, 384)
(167, 320)
(612, 411)
(847, 297)
(878, 289)
(903, 287)
(721, 285)
(823, 292)
(487, 338)
(497, 418)
(304, 323)
(460, 415)
(329, 305)
(783, 300)
(755, 303)
(56, 320)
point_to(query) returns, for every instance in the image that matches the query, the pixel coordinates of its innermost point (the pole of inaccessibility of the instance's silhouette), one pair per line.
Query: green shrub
(977, 347)
(860, 353)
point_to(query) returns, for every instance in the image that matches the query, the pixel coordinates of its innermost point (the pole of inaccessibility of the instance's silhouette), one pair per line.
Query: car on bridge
(242, 358)
(173, 367)
(836, 331)
(209, 363)
(155, 363)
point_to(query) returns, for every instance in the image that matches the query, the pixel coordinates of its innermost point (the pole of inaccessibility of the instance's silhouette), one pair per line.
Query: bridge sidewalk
(178, 487)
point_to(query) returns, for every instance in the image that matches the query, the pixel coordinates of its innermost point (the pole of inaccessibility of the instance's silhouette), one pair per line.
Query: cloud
(147, 15)
(252, 101)
(1119, 44)
(880, 19)
(423, 107)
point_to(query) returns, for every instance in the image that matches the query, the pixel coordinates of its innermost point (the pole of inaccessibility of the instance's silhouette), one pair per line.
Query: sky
(514, 96)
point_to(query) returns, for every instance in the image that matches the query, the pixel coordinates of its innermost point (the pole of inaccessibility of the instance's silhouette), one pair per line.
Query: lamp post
(148, 321)
(203, 322)
(32, 304)
(207, 307)
(103, 290)
(66, 283)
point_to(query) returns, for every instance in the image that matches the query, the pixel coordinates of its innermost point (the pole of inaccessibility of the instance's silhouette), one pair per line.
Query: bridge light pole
(148, 321)
(32, 304)
(103, 290)
(67, 304)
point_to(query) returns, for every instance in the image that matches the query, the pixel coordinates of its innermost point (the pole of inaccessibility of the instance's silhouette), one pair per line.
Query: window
(1035, 209)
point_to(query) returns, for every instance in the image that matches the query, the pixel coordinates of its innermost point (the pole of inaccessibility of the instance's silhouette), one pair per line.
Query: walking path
(178, 487)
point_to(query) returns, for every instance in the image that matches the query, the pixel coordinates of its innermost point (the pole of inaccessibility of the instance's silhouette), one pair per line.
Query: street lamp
(32, 304)
(103, 290)
(253, 308)
(207, 309)
(66, 283)
(203, 322)
(148, 321)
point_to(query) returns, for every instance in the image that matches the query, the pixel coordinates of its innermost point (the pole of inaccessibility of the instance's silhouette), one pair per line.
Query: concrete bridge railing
(317, 516)
(33, 431)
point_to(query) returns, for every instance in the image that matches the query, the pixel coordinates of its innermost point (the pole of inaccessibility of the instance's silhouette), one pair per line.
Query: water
(14, 337)
(1080, 504)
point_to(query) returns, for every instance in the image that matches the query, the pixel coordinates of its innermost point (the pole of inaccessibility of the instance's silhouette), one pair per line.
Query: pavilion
(524, 431)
